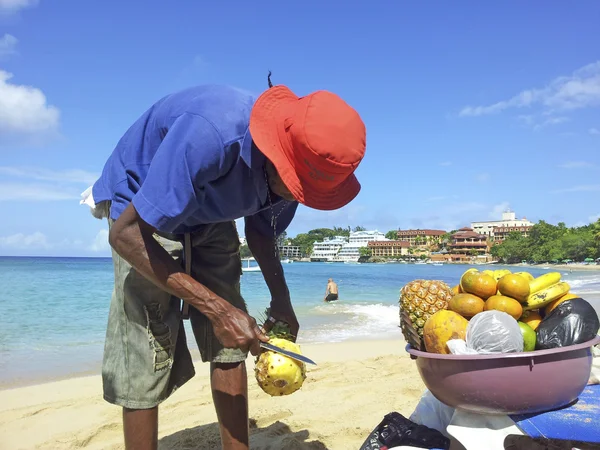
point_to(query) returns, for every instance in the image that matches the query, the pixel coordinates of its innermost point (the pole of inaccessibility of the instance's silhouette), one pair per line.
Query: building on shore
(509, 220)
(350, 252)
(468, 242)
(327, 249)
(290, 251)
(501, 233)
(389, 249)
(342, 249)
(421, 237)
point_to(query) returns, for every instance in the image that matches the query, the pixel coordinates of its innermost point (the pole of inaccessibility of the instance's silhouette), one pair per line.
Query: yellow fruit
(531, 318)
(276, 373)
(525, 275)
(478, 284)
(506, 304)
(467, 305)
(456, 289)
(441, 327)
(543, 281)
(557, 302)
(514, 286)
(489, 272)
(546, 296)
(500, 273)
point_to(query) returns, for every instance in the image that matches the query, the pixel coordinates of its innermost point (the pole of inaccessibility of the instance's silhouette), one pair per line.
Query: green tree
(364, 251)
(245, 251)
(392, 235)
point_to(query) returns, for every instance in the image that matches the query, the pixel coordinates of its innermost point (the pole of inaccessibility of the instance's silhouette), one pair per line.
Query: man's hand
(285, 313)
(236, 329)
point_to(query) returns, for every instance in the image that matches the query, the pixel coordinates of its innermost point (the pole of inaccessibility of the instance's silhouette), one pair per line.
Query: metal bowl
(508, 383)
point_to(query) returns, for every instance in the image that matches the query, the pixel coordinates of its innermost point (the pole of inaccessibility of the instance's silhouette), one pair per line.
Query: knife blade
(292, 355)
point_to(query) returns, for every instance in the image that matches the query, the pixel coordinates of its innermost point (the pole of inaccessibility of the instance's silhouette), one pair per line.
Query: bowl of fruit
(500, 342)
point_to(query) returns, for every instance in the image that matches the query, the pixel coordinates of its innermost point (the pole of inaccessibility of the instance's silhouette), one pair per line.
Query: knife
(292, 355)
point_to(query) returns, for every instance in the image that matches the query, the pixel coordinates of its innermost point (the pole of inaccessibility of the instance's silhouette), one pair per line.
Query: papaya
(568, 296)
(514, 286)
(531, 318)
(479, 284)
(440, 328)
(506, 304)
(467, 305)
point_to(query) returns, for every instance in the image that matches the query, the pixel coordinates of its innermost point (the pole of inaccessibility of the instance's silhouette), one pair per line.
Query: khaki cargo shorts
(146, 357)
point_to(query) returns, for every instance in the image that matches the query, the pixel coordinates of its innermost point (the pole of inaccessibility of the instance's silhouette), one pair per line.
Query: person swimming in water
(331, 293)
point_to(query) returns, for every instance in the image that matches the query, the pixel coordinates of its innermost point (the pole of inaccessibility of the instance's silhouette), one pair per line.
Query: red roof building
(388, 248)
(466, 240)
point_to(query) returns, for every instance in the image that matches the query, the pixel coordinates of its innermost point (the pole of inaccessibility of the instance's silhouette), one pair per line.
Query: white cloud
(497, 210)
(100, 243)
(594, 131)
(577, 165)
(11, 6)
(578, 90)
(482, 177)
(36, 192)
(41, 174)
(581, 188)
(24, 110)
(35, 240)
(8, 46)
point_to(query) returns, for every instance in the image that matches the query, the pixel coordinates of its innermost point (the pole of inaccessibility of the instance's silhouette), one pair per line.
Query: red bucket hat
(315, 142)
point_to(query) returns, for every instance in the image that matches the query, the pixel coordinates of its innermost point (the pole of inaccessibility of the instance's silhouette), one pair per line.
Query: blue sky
(470, 106)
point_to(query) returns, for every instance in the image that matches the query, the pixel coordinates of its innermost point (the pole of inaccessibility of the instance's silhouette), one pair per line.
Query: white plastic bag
(432, 413)
(459, 347)
(494, 332)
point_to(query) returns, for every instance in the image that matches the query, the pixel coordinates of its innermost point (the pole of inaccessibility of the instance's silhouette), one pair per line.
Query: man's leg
(140, 427)
(145, 354)
(229, 384)
(216, 263)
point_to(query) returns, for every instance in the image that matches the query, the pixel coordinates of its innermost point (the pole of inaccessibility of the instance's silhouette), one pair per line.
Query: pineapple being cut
(278, 374)
(419, 300)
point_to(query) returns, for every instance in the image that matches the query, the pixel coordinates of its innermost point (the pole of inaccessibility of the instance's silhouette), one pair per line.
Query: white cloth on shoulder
(99, 211)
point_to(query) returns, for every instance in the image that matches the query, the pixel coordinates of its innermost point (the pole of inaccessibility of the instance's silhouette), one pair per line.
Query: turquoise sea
(54, 310)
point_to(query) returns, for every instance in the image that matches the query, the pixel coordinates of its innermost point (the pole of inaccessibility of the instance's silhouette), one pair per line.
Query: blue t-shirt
(189, 160)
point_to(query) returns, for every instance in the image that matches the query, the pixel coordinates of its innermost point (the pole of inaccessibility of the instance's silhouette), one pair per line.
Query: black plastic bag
(572, 322)
(396, 430)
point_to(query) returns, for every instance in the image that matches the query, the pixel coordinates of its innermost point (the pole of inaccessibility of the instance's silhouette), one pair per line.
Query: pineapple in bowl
(419, 300)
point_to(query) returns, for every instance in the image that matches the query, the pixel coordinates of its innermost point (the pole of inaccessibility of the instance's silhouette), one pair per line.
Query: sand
(354, 385)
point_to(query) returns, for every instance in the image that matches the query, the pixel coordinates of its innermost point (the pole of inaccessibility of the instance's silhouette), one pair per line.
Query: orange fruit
(555, 303)
(479, 284)
(531, 318)
(514, 286)
(506, 304)
(456, 289)
(441, 327)
(467, 305)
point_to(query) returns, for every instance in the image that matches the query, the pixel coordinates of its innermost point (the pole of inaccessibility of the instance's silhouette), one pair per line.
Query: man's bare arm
(263, 250)
(132, 238)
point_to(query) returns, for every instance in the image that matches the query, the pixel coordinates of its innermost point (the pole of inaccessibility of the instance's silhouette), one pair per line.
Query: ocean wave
(344, 321)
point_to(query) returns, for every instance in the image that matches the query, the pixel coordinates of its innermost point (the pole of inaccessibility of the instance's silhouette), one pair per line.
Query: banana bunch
(544, 290)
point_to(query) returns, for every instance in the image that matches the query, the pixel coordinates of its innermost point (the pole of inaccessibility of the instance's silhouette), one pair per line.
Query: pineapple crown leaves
(280, 329)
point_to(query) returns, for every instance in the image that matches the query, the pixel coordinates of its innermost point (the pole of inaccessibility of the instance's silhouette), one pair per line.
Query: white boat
(286, 261)
(250, 268)
(438, 264)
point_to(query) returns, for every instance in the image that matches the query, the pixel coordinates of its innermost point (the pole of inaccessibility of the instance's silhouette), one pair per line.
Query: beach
(52, 334)
(344, 397)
